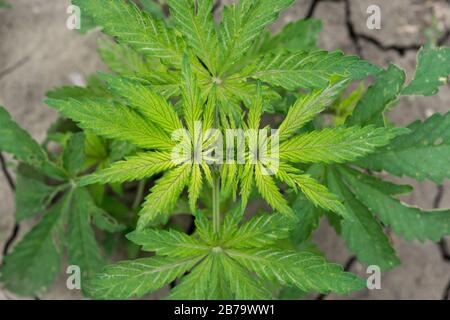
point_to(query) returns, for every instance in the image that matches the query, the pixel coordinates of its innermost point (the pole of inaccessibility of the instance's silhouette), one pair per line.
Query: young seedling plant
(184, 113)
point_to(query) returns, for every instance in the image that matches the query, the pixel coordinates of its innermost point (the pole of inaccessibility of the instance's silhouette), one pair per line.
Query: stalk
(216, 204)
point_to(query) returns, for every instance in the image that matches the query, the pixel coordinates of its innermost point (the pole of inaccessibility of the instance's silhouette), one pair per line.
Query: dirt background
(38, 52)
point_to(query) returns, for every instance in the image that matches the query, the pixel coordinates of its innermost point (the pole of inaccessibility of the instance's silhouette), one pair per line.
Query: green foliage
(238, 260)
(433, 68)
(177, 86)
(422, 154)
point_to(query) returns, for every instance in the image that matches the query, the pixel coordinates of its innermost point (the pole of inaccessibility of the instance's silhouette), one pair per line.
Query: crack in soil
(401, 50)
(15, 66)
(12, 186)
(356, 37)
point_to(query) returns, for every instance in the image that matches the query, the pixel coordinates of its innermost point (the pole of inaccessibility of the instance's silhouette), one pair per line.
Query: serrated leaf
(269, 191)
(378, 98)
(147, 102)
(319, 195)
(192, 97)
(35, 261)
(113, 120)
(422, 154)
(195, 186)
(164, 194)
(241, 24)
(32, 196)
(137, 167)
(377, 183)
(144, 33)
(82, 246)
(74, 156)
(305, 270)
(336, 144)
(363, 233)
(195, 21)
(308, 69)
(242, 284)
(433, 70)
(307, 107)
(168, 243)
(135, 278)
(15, 140)
(122, 59)
(259, 231)
(410, 222)
(197, 284)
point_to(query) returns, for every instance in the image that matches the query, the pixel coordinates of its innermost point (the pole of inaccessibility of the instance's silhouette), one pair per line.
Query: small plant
(182, 84)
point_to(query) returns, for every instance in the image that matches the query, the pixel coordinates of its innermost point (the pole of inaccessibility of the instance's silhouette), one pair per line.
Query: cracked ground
(37, 53)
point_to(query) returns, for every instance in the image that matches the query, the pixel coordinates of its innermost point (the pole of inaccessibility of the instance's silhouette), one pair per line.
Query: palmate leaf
(378, 98)
(363, 233)
(307, 107)
(308, 69)
(422, 154)
(242, 23)
(433, 70)
(15, 140)
(164, 194)
(146, 34)
(135, 278)
(410, 222)
(336, 144)
(168, 243)
(35, 261)
(137, 167)
(113, 120)
(305, 270)
(147, 102)
(194, 20)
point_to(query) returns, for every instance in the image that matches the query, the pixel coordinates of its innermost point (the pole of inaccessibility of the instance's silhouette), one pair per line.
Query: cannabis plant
(183, 112)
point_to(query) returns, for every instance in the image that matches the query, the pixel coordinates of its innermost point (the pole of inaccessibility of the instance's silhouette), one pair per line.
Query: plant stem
(139, 194)
(216, 204)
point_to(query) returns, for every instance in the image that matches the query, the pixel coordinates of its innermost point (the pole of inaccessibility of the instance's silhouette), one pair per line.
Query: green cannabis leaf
(240, 253)
(35, 261)
(183, 114)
